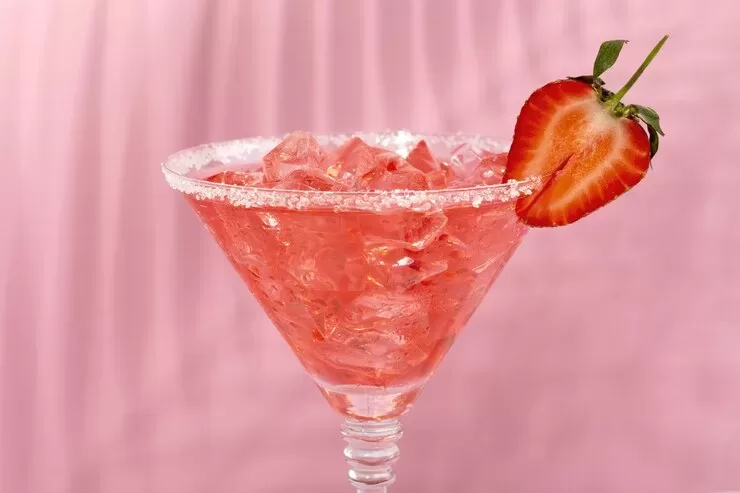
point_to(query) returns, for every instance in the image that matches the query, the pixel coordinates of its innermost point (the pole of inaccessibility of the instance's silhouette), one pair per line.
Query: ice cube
(401, 180)
(452, 297)
(491, 234)
(463, 161)
(351, 160)
(422, 158)
(472, 226)
(420, 230)
(411, 230)
(297, 150)
(490, 170)
(327, 268)
(439, 179)
(308, 179)
(327, 312)
(395, 269)
(386, 312)
(391, 172)
(238, 231)
(326, 325)
(386, 305)
(447, 249)
(388, 325)
(238, 177)
(438, 172)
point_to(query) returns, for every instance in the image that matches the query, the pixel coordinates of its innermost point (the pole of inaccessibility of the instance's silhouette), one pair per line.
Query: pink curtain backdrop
(132, 359)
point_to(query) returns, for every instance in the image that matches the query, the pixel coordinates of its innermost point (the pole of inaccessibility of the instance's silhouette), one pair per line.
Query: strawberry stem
(617, 97)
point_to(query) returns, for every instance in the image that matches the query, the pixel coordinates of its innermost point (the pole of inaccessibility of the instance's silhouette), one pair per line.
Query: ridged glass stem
(371, 451)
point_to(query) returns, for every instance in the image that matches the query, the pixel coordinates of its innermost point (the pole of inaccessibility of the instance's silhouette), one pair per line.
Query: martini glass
(368, 288)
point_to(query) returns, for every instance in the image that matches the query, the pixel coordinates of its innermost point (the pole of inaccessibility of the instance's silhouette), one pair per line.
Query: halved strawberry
(586, 146)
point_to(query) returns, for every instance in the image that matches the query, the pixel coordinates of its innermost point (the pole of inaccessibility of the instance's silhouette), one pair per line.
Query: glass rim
(177, 167)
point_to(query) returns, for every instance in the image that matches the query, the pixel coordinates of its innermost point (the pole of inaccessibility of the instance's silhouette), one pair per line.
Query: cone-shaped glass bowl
(369, 288)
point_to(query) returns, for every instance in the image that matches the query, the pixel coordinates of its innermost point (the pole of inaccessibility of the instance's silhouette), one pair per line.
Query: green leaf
(654, 140)
(649, 116)
(607, 56)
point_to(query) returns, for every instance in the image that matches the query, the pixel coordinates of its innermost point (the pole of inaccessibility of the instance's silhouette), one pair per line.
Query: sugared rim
(177, 167)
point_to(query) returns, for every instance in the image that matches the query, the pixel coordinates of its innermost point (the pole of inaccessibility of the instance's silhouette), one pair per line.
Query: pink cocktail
(368, 262)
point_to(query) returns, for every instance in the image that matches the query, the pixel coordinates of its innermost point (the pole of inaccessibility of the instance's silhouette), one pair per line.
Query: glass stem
(370, 452)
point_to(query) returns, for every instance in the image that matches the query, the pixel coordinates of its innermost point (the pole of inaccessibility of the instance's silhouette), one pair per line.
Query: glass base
(371, 452)
(371, 403)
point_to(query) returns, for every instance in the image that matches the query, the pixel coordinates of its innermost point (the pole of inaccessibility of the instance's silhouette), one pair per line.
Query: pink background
(607, 358)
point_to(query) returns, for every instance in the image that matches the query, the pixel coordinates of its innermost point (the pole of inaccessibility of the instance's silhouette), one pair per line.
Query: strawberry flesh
(585, 155)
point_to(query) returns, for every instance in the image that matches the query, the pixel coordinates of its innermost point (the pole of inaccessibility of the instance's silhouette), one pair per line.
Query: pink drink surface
(366, 298)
